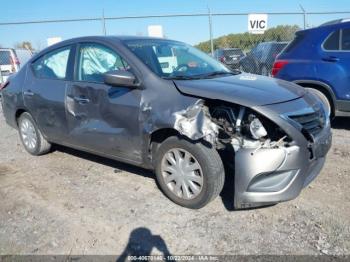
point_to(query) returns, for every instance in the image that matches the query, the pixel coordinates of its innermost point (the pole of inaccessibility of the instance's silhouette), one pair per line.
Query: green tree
(246, 41)
(25, 45)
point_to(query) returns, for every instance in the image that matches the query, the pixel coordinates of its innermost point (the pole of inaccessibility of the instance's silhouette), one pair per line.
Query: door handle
(330, 59)
(81, 100)
(28, 93)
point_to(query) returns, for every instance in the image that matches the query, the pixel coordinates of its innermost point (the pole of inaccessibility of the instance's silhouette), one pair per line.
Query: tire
(264, 71)
(31, 137)
(324, 99)
(208, 178)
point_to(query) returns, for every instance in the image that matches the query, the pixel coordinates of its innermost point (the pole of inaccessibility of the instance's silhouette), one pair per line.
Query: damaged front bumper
(272, 175)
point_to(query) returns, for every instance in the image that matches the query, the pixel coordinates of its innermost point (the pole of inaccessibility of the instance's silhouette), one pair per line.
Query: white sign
(155, 31)
(257, 23)
(53, 40)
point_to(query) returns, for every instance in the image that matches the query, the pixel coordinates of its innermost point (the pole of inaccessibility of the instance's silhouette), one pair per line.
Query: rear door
(45, 89)
(336, 62)
(102, 118)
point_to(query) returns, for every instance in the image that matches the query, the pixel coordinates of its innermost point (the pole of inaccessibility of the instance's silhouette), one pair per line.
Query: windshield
(176, 60)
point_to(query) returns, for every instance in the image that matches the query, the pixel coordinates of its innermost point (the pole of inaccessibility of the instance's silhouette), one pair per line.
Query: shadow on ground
(341, 123)
(227, 194)
(116, 165)
(141, 242)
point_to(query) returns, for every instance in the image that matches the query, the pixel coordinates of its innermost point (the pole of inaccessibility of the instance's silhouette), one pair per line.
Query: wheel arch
(323, 87)
(19, 112)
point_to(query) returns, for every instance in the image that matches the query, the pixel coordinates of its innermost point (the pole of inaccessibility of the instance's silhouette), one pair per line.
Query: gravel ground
(69, 202)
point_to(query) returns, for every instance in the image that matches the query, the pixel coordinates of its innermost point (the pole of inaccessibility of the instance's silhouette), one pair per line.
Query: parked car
(110, 96)
(319, 60)
(229, 56)
(261, 58)
(9, 62)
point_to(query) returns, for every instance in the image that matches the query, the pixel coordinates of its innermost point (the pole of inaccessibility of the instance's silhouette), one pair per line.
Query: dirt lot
(69, 202)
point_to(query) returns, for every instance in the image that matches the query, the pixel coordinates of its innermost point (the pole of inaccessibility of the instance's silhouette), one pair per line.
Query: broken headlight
(256, 128)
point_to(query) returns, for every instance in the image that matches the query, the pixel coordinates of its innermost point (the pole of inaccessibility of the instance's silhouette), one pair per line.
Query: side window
(345, 39)
(95, 60)
(332, 42)
(52, 65)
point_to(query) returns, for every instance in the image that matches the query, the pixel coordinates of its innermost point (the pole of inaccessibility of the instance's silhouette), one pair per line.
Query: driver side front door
(102, 118)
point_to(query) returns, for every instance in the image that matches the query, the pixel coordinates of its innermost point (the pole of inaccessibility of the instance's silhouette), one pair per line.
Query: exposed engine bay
(229, 125)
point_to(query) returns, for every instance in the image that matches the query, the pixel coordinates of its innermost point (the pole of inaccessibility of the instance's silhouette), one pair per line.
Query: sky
(189, 29)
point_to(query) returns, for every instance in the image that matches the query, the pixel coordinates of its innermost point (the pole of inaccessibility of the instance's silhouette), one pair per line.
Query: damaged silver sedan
(166, 106)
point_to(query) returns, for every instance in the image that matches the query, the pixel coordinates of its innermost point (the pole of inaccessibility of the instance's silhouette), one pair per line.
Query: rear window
(299, 37)
(346, 39)
(332, 42)
(279, 47)
(5, 58)
(236, 52)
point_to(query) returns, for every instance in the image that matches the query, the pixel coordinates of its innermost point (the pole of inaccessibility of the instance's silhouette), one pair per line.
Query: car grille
(311, 123)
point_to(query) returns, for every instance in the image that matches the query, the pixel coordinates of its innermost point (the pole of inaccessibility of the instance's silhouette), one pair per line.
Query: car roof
(336, 22)
(108, 38)
(228, 48)
(274, 42)
(6, 49)
(115, 39)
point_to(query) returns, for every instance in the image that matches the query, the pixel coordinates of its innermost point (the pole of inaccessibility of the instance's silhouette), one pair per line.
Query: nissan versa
(164, 105)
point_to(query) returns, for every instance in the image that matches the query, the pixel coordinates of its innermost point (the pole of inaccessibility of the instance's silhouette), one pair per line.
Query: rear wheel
(31, 137)
(190, 174)
(324, 99)
(265, 71)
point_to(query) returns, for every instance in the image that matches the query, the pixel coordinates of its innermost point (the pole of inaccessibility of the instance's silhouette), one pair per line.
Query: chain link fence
(225, 35)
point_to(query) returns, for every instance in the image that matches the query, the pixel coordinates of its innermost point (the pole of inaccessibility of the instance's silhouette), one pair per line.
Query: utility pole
(211, 33)
(103, 23)
(304, 15)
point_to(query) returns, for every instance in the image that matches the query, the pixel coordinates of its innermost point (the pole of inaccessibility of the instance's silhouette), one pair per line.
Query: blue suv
(319, 60)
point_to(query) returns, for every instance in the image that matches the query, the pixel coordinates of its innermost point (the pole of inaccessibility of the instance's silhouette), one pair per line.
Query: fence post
(211, 33)
(1, 79)
(304, 15)
(103, 22)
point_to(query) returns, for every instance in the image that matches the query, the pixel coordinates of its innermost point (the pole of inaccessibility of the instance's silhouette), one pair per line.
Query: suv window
(53, 65)
(332, 42)
(299, 37)
(5, 58)
(345, 39)
(95, 60)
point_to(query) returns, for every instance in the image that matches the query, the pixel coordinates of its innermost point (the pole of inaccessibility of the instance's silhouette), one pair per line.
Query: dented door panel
(104, 119)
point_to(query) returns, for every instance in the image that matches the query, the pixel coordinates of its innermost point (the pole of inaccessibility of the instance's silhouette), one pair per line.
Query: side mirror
(120, 78)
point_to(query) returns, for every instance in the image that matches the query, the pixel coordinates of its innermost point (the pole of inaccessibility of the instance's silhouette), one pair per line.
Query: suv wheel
(190, 174)
(31, 137)
(323, 98)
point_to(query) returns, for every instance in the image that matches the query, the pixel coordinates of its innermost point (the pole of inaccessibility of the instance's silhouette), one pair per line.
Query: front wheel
(190, 174)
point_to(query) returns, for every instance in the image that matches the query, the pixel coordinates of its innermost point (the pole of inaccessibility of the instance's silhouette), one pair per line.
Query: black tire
(264, 71)
(211, 166)
(42, 146)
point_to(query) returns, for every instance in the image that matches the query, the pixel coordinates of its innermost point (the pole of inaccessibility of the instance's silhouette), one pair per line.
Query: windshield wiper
(180, 77)
(216, 73)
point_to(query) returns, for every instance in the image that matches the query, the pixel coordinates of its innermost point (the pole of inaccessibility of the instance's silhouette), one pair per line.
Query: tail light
(4, 85)
(277, 66)
(14, 61)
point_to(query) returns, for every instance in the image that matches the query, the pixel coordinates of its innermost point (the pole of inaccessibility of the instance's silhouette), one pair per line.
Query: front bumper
(268, 176)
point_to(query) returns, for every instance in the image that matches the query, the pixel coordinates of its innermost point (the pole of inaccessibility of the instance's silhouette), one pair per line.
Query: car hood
(244, 89)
